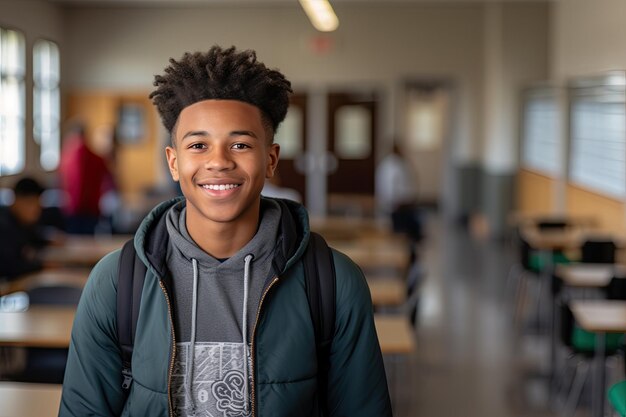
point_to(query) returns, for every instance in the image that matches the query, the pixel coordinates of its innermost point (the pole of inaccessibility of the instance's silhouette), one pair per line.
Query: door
(426, 113)
(291, 137)
(351, 147)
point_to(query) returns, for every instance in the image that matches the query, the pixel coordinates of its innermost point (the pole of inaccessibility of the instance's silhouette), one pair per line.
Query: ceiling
(131, 3)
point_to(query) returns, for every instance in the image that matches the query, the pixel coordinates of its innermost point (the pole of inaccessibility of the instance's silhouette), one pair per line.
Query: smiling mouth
(219, 187)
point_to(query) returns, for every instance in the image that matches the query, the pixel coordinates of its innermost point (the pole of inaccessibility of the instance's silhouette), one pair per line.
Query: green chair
(581, 345)
(617, 398)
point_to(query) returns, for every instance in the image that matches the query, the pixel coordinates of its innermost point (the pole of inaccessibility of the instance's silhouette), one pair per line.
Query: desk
(588, 275)
(553, 239)
(64, 276)
(387, 292)
(376, 257)
(29, 400)
(394, 334)
(349, 228)
(39, 326)
(83, 250)
(600, 317)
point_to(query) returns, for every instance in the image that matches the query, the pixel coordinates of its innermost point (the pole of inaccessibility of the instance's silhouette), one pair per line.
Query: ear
(272, 160)
(170, 155)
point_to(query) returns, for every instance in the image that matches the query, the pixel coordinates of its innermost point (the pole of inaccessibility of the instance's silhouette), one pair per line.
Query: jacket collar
(152, 238)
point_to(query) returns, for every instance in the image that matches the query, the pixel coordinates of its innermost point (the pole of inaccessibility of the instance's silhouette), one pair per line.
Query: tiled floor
(470, 361)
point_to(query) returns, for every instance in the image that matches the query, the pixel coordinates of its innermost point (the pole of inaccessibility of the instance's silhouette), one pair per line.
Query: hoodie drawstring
(192, 350)
(246, 282)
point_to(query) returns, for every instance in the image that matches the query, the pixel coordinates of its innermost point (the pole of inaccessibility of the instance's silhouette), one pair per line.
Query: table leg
(599, 385)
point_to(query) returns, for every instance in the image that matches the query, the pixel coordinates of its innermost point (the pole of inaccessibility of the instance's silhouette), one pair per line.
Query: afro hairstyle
(221, 74)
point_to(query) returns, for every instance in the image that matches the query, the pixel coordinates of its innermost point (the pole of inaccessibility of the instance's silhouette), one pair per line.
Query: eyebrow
(233, 133)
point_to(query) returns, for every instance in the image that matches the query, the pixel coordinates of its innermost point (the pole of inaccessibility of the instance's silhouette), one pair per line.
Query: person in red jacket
(85, 177)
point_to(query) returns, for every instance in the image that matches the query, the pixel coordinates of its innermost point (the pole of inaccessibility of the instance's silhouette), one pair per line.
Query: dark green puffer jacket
(283, 348)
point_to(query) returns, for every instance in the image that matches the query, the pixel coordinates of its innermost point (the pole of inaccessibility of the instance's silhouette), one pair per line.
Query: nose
(219, 159)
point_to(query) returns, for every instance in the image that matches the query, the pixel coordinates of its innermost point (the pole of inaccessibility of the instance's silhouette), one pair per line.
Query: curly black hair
(225, 74)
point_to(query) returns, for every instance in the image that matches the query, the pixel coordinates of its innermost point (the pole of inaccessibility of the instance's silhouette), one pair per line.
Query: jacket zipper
(258, 313)
(171, 368)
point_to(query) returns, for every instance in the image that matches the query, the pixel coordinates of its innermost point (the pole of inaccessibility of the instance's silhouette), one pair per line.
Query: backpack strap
(131, 274)
(319, 275)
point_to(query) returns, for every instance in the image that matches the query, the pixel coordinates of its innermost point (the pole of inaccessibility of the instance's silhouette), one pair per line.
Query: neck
(222, 240)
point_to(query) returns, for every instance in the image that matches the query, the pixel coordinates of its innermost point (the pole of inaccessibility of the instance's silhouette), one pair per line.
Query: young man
(20, 236)
(224, 327)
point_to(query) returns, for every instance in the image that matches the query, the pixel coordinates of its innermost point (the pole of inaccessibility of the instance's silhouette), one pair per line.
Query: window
(541, 139)
(46, 103)
(12, 107)
(598, 134)
(353, 132)
(289, 135)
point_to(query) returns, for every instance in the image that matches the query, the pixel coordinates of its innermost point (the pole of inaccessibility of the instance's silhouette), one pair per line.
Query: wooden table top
(367, 257)
(52, 327)
(607, 316)
(588, 275)
(387, 292)
(83, 250)
(522, 219)
(63, 276)
(38, 326)
(553, 239)
(394, 334)
(29, 400)
(350, 228)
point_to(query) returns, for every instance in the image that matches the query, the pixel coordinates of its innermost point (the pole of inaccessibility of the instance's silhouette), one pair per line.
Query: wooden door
(351, 146)
(291, 137)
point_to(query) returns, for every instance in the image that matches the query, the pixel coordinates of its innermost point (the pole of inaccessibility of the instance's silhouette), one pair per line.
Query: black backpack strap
(131, 274)
(319, 274)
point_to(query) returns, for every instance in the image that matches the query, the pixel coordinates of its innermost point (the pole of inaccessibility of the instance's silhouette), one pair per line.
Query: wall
(375, 47)
(535, 193)
(36, 20)
(587, 39)
(515, 56)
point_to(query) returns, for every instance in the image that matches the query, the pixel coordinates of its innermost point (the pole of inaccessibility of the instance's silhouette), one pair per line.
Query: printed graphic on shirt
(218, 388)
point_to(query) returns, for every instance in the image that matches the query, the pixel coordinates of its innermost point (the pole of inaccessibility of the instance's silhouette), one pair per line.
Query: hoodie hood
(152, 237)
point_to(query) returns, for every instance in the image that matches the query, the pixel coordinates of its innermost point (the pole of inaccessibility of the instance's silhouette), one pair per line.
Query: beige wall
(374, 46)
(587, 37)
(535, 193)
(377, 46)
(516, 54)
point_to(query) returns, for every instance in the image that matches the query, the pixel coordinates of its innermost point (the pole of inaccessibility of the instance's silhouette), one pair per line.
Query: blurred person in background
(396, 193)
(21, 238)
(85, 178)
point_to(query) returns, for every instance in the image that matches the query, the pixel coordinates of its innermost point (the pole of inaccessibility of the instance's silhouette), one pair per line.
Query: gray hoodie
(215, 304)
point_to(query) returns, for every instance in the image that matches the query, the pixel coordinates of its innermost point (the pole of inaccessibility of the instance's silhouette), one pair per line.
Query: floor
(470, 360)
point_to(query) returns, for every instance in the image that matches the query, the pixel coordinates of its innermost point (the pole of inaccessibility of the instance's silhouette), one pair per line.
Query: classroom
(468, 156)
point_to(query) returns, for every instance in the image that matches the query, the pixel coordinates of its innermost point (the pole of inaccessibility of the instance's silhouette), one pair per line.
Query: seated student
(20, 236)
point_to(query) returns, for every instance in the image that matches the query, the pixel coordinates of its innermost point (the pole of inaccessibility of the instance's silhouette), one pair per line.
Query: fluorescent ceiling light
(321, 14)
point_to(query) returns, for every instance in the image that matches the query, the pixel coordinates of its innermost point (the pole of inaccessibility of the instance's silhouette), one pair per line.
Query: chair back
(61, 295)
(552, 224)
(616, 290)
(598, 251)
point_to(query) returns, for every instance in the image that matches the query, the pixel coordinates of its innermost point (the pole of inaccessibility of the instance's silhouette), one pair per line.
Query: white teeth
(220, 187)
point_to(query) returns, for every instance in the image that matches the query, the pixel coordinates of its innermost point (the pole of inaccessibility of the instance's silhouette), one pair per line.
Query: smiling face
(221, 156)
